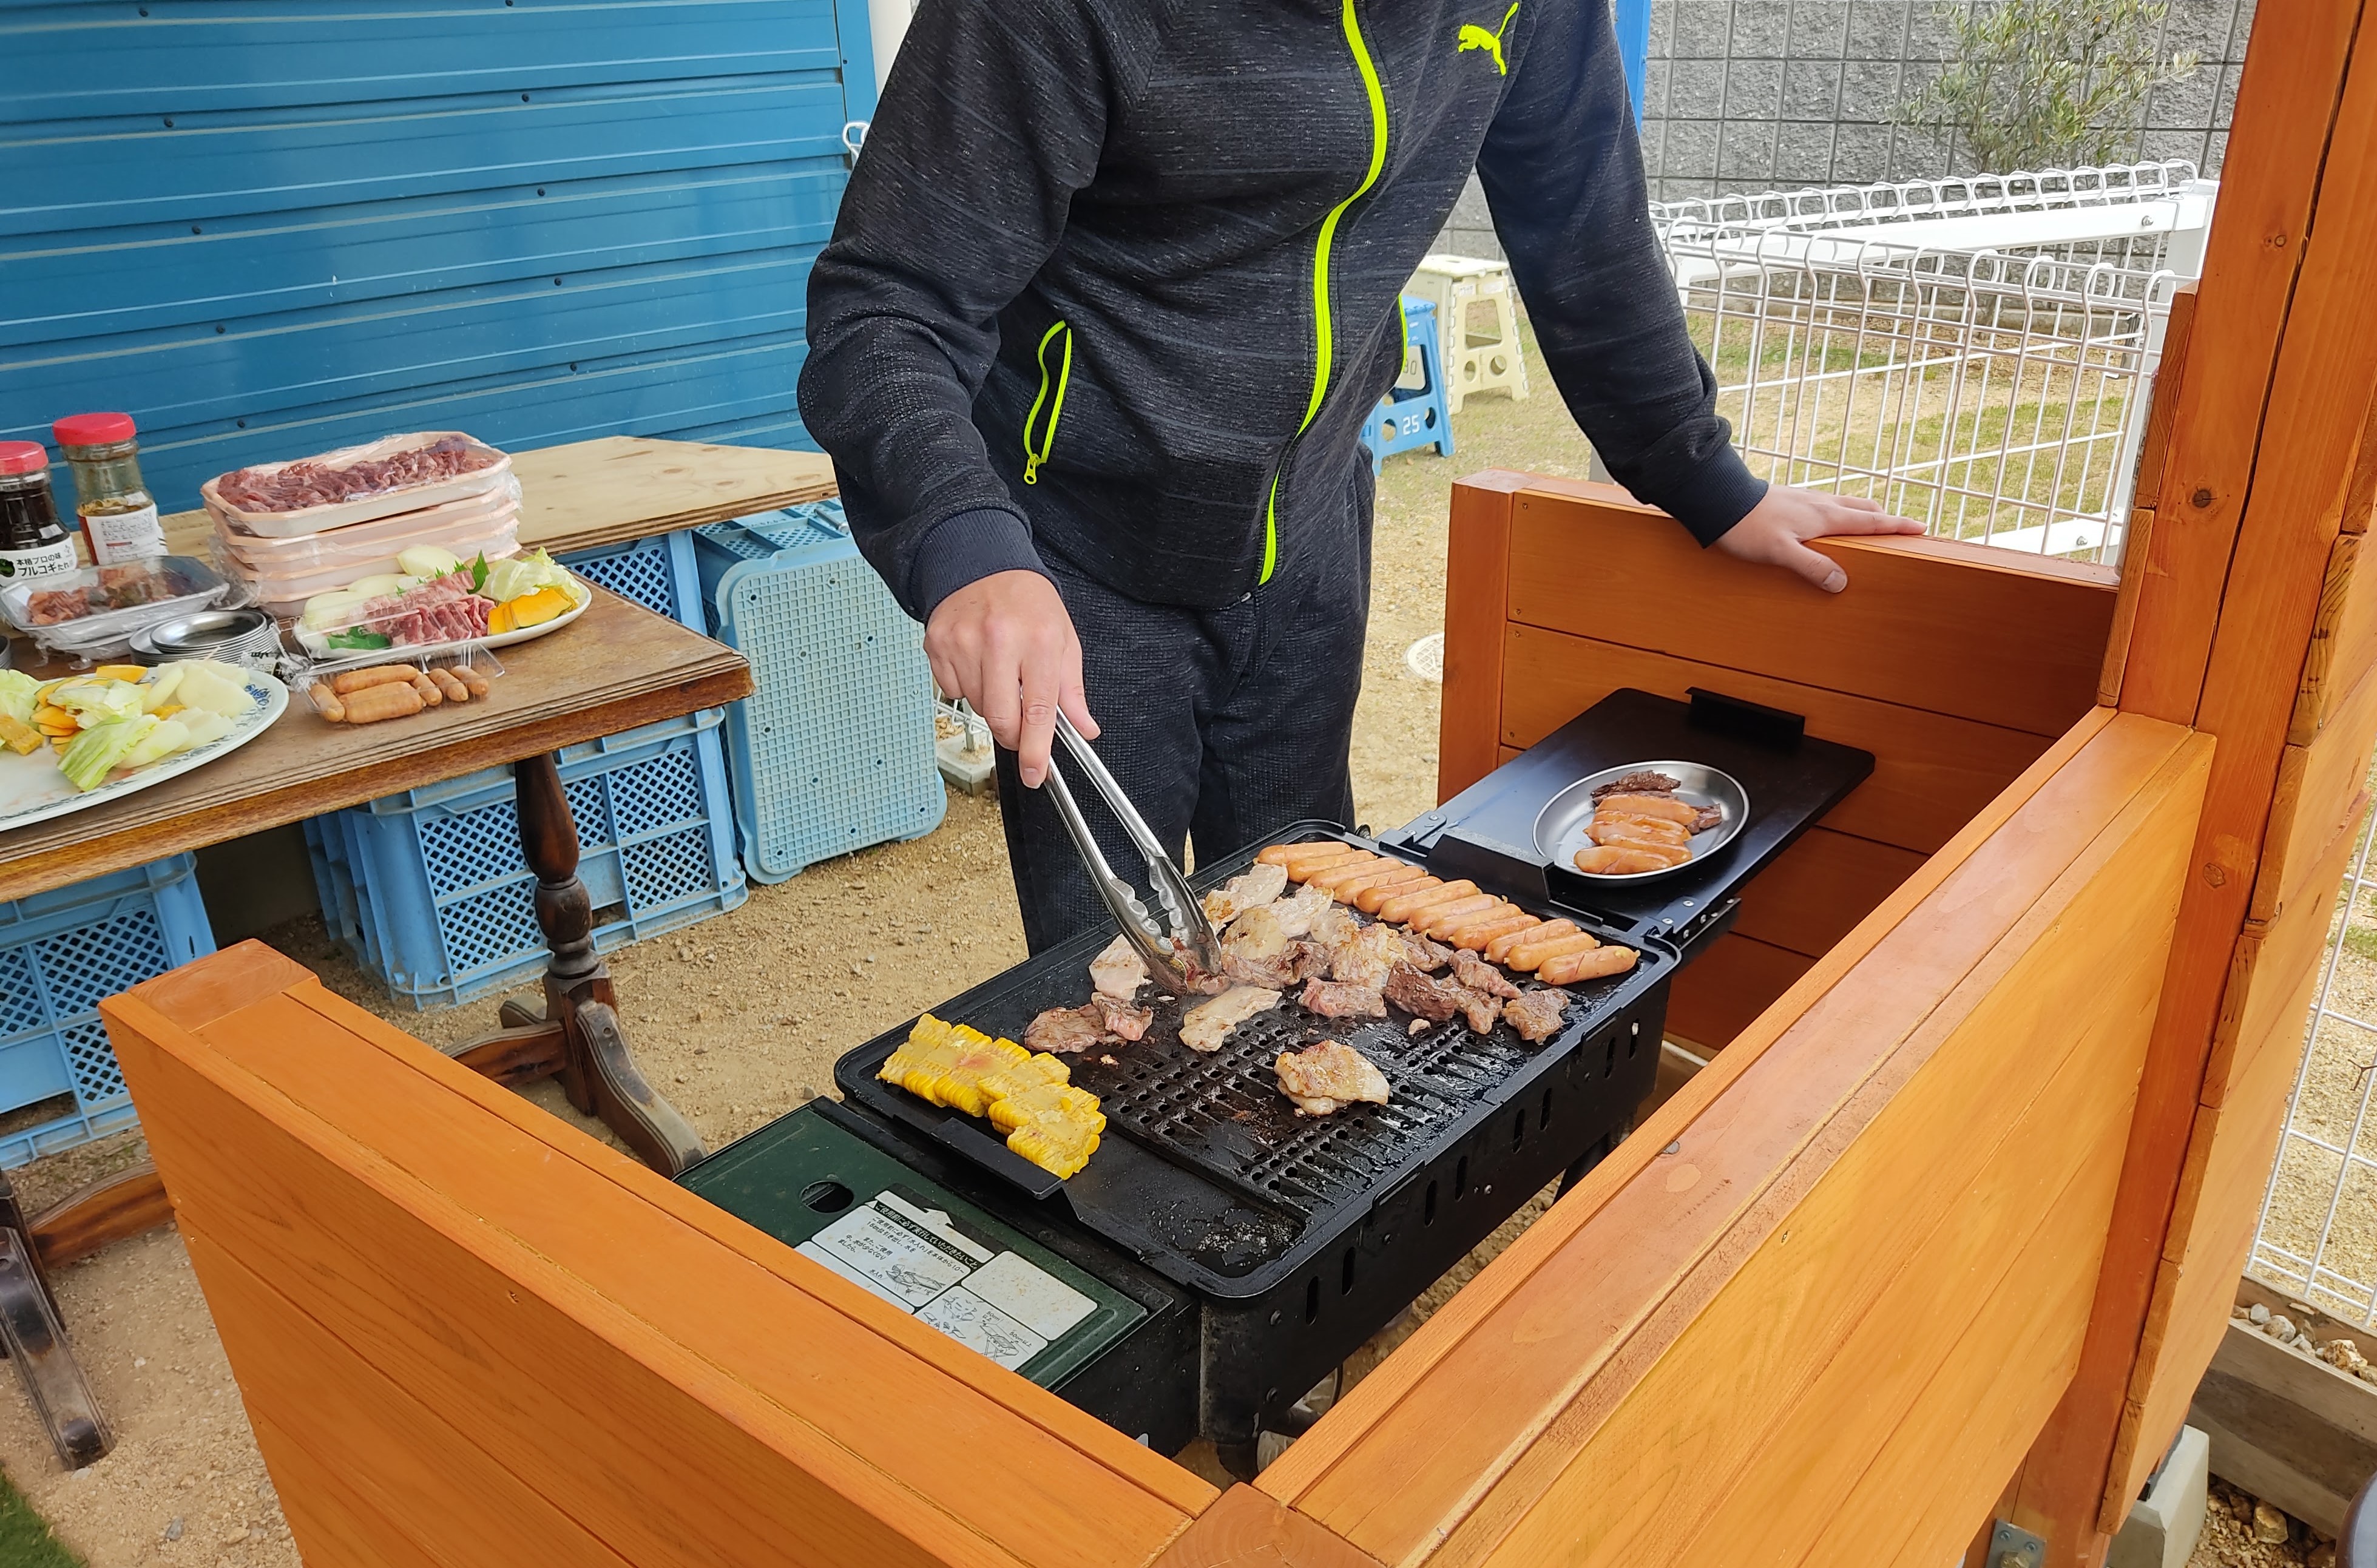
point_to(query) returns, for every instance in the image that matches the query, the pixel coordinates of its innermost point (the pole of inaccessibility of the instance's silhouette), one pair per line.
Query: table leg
(580, 1037)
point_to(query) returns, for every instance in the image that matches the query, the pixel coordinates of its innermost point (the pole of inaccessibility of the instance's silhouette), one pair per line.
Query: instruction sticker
(999, 1303)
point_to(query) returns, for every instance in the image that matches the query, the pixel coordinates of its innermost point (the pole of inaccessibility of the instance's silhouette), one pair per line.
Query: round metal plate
(1560, 826)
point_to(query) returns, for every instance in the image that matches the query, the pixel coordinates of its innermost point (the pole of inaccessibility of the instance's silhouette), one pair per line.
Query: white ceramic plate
(318, 644)
(32, 790)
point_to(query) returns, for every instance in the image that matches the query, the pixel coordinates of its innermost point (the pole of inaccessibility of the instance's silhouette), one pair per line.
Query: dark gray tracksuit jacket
(1117, 279)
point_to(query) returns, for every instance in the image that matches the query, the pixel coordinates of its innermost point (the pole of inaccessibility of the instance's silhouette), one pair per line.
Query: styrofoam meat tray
(363, 509)
(32, 790)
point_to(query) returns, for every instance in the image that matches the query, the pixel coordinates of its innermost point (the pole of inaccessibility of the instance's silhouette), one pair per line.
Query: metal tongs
(1186, 933)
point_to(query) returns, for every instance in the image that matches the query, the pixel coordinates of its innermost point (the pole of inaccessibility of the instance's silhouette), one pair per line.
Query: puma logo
(1475, 37)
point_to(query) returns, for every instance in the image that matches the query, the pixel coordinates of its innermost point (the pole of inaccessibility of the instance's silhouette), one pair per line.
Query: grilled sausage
(1534, 955)
(1346, 870)
(1599, 963)
(1502, 947)
(1369, 898)
(1453, 912)
(1394, 873)
(1476, 937)
(1397, 909)
(1666, 808)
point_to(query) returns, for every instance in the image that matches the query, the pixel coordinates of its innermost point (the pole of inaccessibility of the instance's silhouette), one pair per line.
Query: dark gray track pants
(1220, 724)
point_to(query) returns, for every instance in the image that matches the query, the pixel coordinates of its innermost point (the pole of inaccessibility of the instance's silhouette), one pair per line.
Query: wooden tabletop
(624, 487)
(617, 667)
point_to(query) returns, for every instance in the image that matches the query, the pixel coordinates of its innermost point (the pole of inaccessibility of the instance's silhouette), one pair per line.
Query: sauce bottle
(117, 513)
(31, 541)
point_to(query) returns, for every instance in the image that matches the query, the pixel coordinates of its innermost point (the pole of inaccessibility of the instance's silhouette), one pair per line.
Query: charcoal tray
(1269, 1190)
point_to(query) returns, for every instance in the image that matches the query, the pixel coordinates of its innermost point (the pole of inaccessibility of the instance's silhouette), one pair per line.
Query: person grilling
(1112, 291)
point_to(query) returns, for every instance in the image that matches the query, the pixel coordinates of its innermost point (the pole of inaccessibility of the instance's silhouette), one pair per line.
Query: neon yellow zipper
(1323, 328)
(1031, 459)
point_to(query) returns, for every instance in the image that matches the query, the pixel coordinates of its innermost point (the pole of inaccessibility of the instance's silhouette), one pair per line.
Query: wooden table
(623, 487)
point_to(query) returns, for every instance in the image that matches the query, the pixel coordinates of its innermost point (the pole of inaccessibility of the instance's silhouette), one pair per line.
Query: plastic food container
(94, 611)
(361, 508)
(284, 573)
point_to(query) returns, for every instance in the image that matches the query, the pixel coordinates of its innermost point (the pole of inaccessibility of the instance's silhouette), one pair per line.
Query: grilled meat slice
(1479, 1010)
(1644, 783)
(1326, 1078)
(1332, 999)
(1258, 885)
(1117, 971)
(1205, 1026)
(1537, 1015)
(1297, 912)
(1706, 816)
(1369, 956)
(1424, 955)
(1120, 1020)
(1065, 1031)
(1435, 1000)
(1479, 976)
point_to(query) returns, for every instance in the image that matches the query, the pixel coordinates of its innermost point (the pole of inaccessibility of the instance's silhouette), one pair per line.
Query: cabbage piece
(97, 752)
(93, 700)
(509, 579)
(19, 695)
(166, 738)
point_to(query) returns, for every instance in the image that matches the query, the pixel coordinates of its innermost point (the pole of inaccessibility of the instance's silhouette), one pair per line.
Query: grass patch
(25, 1538)
(2360, 942)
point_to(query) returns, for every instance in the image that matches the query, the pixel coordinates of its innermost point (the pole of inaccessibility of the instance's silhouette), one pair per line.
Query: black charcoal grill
(1300, 1238)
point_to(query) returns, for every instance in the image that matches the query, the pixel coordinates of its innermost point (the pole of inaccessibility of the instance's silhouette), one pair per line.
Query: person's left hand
(1773, 533)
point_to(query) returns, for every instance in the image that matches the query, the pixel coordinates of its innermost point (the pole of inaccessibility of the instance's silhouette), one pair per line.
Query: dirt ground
(737, 1021)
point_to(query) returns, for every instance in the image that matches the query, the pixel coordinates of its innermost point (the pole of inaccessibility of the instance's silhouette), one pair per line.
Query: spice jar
(32, 543)
(118, 514)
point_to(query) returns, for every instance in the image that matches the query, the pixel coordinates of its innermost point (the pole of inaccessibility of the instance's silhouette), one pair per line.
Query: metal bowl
(1560, 827)
(245, 637)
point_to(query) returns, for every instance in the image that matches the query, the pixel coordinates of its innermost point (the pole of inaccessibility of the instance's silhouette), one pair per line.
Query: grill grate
(1224, 1116)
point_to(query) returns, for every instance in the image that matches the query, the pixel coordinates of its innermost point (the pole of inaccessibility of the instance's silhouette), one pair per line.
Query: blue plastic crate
(833, 749)
(428, 891)
(60, 952)
(657, 573)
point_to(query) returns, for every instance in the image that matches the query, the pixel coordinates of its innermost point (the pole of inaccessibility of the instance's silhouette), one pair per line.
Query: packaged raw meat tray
(396, 474)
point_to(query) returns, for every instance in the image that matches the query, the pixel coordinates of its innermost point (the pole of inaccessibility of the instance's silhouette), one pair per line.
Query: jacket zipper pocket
(1033, 458)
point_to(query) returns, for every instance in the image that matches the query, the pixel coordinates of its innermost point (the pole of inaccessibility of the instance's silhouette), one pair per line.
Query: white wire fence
(2317, 1238)
(1975, 353)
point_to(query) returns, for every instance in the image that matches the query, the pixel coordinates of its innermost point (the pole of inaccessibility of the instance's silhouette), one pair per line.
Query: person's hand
(1005, 644)
(1773, 533)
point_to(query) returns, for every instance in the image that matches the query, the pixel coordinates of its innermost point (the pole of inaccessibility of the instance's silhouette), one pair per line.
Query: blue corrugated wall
(265, 228)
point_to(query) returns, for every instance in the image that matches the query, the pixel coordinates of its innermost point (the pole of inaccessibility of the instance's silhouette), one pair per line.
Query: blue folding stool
(1411, 417)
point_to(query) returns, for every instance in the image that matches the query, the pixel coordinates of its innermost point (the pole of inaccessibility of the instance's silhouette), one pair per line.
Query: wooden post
(2242, 588)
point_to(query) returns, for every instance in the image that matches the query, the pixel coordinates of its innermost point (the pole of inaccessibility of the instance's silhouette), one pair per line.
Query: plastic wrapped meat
(1325, 1077)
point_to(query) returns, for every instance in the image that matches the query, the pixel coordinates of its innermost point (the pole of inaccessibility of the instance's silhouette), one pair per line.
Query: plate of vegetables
(69, 743)
(438, 603)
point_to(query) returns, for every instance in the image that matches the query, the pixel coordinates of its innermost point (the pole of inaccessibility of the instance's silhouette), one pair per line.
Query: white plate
(318, 645)
(32, 790)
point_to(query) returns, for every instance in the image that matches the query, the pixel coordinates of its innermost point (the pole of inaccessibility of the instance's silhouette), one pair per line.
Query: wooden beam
(1476, 576)
(2257, 484)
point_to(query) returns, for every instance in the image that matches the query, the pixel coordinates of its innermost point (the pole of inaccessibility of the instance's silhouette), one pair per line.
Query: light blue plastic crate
(657, 573)
(60, 952)
(428, 891)
(833, 749)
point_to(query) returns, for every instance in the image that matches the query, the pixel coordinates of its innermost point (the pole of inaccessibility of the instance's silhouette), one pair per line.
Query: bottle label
(118, 537)
(48, 561)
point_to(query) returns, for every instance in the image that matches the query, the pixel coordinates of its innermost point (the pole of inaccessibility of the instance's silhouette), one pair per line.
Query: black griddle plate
(1205, 1171)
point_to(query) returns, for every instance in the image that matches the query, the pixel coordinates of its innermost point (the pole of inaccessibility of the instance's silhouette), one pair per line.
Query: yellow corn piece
(1047, 1102)
(959, 1087)
(1060, 1148)
(928, 1032)
(21, 738)
(1040, 1068)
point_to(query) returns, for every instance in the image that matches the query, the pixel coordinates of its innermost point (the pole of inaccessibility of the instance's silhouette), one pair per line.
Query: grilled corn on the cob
(1025, 1095)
